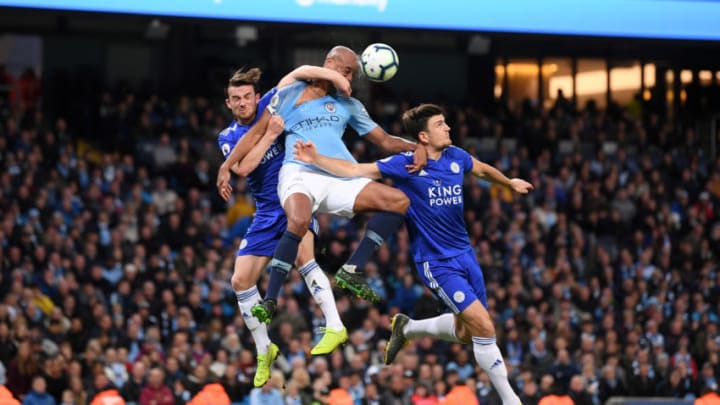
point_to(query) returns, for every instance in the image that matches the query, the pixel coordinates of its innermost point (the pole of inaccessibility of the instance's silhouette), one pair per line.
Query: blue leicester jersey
(262, 182)
(322, 121)
(435, 219)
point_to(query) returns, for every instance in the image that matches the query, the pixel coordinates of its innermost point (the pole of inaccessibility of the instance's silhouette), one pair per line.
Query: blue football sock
(381, 226)
(283, 259)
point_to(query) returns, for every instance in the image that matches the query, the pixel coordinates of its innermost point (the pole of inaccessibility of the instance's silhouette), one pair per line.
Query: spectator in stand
(133, 387)
(38, 394)
(268, 394)
(22, 369)
(155, 391)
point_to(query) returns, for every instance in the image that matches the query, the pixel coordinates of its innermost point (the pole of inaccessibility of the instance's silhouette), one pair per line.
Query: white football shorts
(328, 194)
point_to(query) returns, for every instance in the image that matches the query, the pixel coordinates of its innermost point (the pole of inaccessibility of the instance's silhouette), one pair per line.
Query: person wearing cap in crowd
(410, 380)
(371, 374)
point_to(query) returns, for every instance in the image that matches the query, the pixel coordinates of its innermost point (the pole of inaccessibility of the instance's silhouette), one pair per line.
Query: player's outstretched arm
(388, 143)
(493, 175)
(308, 72)
(306, 152)
(241, 149)
(275, 127)
(394, 144)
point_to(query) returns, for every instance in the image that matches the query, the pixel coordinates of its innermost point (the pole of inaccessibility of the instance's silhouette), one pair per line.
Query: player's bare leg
(473, 325)
(246, 274)
(390, 206)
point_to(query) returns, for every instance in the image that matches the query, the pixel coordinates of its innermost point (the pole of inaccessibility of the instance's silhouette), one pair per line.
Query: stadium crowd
(116, 256)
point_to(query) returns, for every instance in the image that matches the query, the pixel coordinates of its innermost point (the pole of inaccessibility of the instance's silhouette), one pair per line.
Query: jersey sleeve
(393, 167)
(265, 101)
(465, 158)
(282, 101)
(225, 142)
(359, 118)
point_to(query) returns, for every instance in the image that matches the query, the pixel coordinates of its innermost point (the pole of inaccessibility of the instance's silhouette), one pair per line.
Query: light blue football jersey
(322, 121)
(436, 218)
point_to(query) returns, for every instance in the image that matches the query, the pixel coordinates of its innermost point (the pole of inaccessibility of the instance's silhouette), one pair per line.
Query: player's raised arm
(308, 72)
(241, 149)
(391, 144)
(252, 159)
(493, 175)
(306, 152)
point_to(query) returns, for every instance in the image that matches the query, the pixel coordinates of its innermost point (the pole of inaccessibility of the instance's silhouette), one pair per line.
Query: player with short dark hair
(443, 256)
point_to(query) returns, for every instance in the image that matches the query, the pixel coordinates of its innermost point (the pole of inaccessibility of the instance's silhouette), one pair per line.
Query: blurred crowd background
(116, 255)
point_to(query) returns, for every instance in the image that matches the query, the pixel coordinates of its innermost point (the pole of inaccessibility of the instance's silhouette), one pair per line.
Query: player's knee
(478, 323)
(488, 329)
(241, 281)
(304, 256)
(483, 327)
(398, 202)
(298, 223)
(462, 331)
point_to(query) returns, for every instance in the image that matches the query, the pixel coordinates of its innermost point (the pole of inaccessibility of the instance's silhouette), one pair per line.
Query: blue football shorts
(457, 281)
(264, 233)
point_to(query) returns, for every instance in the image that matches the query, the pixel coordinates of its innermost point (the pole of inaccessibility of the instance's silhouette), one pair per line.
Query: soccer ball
(379, 62)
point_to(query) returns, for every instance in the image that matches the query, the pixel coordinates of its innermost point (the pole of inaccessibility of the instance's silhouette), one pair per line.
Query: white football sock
(488, 356)
(246, 300)
(441, 327)
(319, 287)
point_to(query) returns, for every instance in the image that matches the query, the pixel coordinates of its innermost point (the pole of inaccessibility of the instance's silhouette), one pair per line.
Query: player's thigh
(295, 190)
(247, 271)
(475, 317)
(263, 234)
(475, 275)
(448, 282)
(380, 197)
(298, 212)
(256, 248)
(340, 195)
